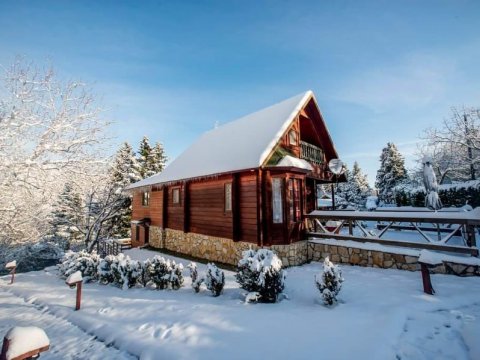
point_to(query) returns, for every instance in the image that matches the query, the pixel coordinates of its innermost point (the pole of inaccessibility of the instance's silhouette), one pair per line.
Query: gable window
(292, 137)
(228, 197)
(277, 200)
(176, 195)
(146, 198)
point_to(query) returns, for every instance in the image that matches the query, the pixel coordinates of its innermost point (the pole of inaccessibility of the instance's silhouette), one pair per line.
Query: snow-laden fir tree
(151, 160)
(329, 282)
(391, 173)
(67, 219)
(125, 170)
(214, 279)
(354, 191)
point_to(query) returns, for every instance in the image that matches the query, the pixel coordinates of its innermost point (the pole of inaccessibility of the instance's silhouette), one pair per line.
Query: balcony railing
(311, 153)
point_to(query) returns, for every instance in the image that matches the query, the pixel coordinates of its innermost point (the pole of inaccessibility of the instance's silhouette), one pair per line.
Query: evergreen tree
(151, 160)
(125, 170)
(361, 187)
(391, 173)
(67, 218)
(144, 157)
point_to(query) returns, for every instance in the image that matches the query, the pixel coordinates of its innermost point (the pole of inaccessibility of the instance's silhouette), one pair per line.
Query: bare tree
(50, 132)
(455, 148)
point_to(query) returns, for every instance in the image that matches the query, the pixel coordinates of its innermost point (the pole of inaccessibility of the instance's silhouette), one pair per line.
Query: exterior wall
(152, 211)
(247, 208)
(207, 208)
(379, 259)
(175, 215)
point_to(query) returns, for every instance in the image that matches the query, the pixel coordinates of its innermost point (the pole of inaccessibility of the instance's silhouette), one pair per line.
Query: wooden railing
(311, 153)
(463, 224)
(111, 247)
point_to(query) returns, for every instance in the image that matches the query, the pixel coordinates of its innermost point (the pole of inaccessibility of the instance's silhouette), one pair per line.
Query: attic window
(176, 195)
(293, 137)
(145, 198)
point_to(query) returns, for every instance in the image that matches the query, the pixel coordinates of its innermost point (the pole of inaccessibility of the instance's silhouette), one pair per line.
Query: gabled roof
(238, 145)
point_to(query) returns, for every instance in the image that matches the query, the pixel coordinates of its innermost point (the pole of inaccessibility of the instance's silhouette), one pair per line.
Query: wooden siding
(175, 215)
(247, 197)
(152, 211)
(207, 213)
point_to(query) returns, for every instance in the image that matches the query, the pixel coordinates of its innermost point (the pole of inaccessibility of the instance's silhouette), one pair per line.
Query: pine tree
(67, 219)
(125, 170)
(392, 171)
(361, 186)
(151, 160)
(159, 159)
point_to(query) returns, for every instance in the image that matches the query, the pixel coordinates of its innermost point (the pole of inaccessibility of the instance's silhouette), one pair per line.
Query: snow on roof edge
(278, 135)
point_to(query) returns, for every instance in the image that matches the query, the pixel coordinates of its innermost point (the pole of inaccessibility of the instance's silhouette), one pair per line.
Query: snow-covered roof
(295, 162)
(238, 145)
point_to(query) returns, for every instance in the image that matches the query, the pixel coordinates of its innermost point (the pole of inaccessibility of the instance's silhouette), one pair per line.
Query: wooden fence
(452, 224)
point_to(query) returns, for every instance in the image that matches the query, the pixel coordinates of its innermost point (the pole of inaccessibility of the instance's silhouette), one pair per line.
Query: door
(294, 208)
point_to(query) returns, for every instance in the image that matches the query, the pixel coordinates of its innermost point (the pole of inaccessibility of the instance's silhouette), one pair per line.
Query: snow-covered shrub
(176, 276)
(126, 272)
(104, 269)
(261, 271)
(329, 282)
(82, 261)
(164, 273)
(196, 281)
(214, 279)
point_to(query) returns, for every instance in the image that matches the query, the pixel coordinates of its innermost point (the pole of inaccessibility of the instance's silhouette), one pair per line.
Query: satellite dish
(336, 166)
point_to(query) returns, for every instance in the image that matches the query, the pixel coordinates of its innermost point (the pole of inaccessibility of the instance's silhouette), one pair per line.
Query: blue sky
(381, 70)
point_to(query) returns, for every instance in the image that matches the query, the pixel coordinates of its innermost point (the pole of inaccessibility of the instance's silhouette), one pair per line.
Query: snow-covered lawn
(383, 314)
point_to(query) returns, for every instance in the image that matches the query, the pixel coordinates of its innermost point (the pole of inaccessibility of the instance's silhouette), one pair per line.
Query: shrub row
(123, 271)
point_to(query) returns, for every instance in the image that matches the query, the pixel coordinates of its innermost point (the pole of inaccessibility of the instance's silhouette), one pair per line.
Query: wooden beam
(164, 207)
(236, 226)
(186, 206)
(404, 244)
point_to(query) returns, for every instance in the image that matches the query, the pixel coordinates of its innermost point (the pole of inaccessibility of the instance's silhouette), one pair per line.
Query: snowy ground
(383, 314)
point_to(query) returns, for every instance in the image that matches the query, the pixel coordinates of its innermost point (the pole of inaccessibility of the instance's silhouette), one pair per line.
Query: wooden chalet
(249, 182)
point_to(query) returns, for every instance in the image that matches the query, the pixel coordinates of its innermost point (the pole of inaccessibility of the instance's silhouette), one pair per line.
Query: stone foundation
(382, 259)
(220, 249)
(226, 251)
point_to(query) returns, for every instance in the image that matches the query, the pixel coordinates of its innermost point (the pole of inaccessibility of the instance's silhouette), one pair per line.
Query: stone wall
(230, 252)
(382, 259)
(220, 249)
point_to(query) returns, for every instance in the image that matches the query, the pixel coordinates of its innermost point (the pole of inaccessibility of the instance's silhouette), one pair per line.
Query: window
(292, 137)
(294, 188)
(176, 195)
(228, 197)
(277, 201)
(146, 198)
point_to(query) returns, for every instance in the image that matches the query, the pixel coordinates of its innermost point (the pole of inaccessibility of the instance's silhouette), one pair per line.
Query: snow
(74, 278)
(380, 314)
(25, 339)
(430, 257)
(291, 161)
(238, 145)
(11, 264)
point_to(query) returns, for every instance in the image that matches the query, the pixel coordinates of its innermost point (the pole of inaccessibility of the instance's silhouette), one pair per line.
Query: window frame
(225, 198)
(280, 208)
(179, 200)
(146, 198)
(290, 133)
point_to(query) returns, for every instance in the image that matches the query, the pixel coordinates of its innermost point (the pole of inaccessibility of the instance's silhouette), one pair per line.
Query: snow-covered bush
(126, 272)
(196, 281)
(214, 279)
(329, 282)
(261, 271)
(82, 261)
(164, 273)
(104, 269)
